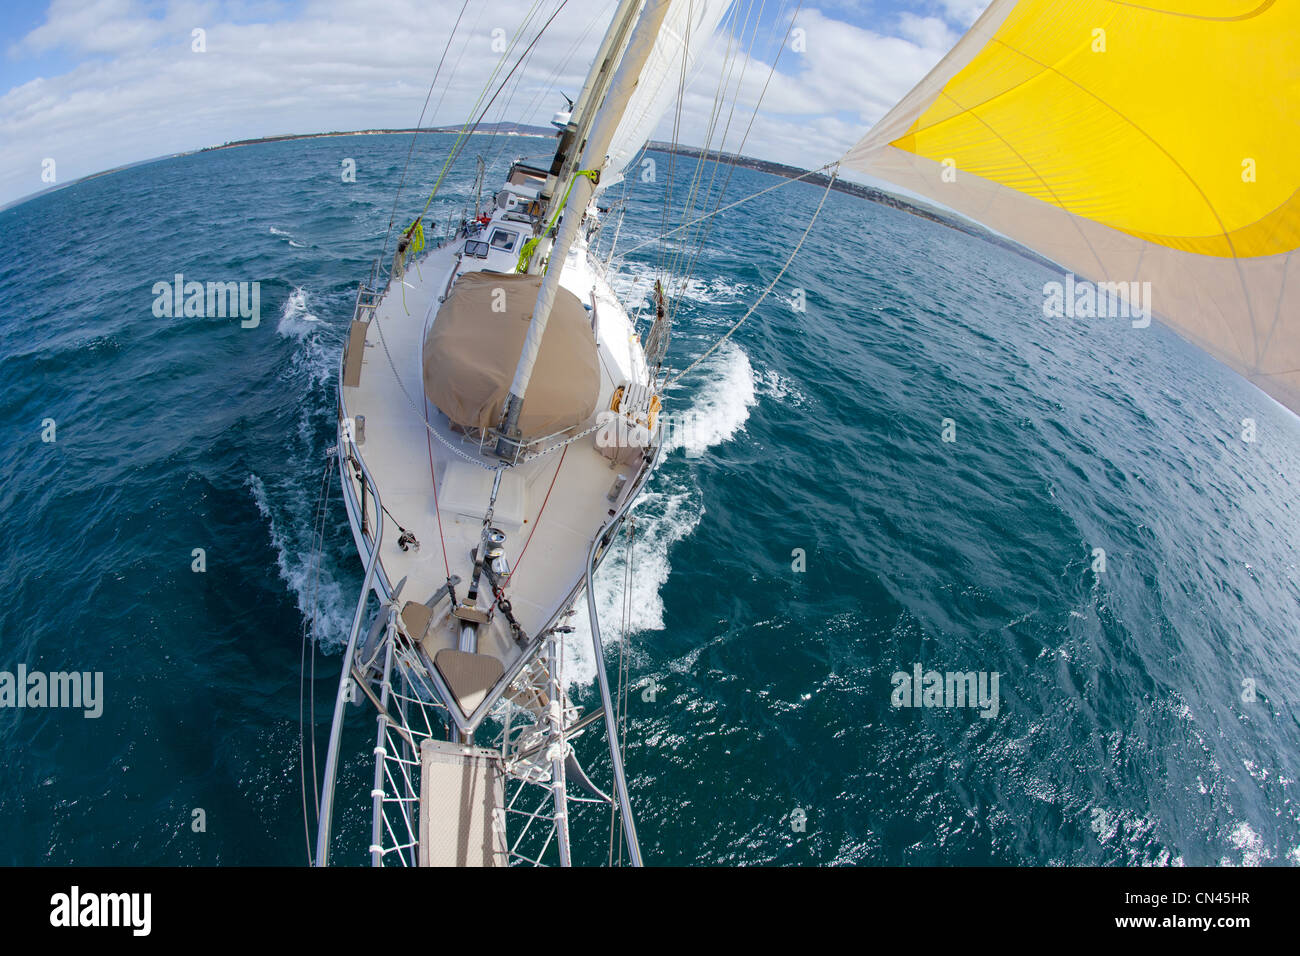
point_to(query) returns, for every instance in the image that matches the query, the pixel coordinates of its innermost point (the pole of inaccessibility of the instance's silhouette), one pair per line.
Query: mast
(579, 190)
(583, 111)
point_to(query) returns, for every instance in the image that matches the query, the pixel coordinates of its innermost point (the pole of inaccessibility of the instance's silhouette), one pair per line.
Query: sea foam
(669, 510)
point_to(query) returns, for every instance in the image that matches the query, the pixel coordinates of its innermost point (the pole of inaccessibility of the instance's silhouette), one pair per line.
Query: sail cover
(469, 355)
(1155, 141)
(687, 33)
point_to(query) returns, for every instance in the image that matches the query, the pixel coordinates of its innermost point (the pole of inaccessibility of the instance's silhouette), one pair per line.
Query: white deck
(548, 539)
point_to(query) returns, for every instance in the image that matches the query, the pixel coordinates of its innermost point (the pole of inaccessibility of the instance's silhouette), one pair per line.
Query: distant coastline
(507, 129)
(859, 190)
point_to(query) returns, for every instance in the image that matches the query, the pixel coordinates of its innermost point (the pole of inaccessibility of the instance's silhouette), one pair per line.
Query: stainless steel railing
(373, 542)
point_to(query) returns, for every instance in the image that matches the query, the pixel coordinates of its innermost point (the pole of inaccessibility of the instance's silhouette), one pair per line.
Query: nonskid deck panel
(549, 508)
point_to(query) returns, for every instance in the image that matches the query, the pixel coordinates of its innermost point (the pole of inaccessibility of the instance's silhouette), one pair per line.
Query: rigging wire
(770, 286)
(309, 635)
(703, 236)
(463, 137)
(739, 202)
(706, 232)
(465, 130)
(626, 652)
(549, 86)
(675, 257)
(621, 692)
(392, 217)
(456, 69)
(433, 480)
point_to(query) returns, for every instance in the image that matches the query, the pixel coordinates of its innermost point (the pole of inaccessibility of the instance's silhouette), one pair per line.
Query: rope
(414, 236)
(308, 631)
(771, 285)
(520, 560)
(738, 202)
(436, 510)
(620, 707)
(704, 236)
(526, 253)
(676, 258)
(468, 130)
(625, 649)
(546, 89)
(392, 216)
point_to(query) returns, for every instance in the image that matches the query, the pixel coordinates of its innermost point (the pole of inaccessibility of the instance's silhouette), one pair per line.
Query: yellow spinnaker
(1151, 141)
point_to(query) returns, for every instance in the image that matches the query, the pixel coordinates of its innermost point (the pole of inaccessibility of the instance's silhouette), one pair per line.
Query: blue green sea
(811, 536)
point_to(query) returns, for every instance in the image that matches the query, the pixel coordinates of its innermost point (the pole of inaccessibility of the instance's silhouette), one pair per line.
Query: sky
(96, 84)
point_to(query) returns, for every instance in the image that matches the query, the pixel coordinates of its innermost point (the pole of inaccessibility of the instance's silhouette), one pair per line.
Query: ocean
(898, 465)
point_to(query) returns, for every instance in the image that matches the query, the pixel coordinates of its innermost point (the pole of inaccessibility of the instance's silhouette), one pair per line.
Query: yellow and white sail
(1153, 141)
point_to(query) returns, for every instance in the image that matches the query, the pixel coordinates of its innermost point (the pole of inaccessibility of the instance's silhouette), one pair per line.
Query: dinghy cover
(472, 348)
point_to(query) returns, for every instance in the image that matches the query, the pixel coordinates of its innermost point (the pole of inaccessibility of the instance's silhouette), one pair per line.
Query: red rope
(436, 510)
(563, 451)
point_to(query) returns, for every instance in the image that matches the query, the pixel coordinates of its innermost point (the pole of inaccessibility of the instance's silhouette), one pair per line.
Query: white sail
(687, 33)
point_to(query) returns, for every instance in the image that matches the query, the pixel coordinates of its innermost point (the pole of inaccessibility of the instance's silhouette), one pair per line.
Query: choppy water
(1122, 736)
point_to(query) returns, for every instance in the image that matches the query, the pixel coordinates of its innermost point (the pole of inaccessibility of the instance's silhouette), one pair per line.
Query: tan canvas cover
(474, 344)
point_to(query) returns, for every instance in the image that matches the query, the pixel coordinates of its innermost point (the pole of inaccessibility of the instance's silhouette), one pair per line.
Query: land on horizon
(816, 178)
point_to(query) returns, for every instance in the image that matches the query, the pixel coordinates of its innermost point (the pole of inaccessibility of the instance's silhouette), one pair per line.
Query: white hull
(482, 495)
(436, 482)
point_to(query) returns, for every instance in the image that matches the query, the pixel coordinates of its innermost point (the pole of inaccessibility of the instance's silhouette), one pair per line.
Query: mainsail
(686, 34)
(1139, 142)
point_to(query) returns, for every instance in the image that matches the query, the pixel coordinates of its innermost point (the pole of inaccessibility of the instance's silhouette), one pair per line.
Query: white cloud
(927, 32)
(135, 90)
(963, 12)
(97, 26)
(822, 100)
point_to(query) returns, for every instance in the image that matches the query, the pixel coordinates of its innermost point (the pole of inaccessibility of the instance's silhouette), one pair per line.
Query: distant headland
(861, 191)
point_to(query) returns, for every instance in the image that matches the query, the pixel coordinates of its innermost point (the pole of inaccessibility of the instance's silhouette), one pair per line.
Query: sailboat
(498, 416)
(499, 413)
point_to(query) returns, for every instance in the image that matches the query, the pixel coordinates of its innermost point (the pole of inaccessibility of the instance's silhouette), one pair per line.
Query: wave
(659, 520)
(285, 235)
(666, 513)
(314, 363)
(321, 599)
(290, 506)
(1249, 844)
(721, 408)
(296, 320)
(772, 384)
(633, 282)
